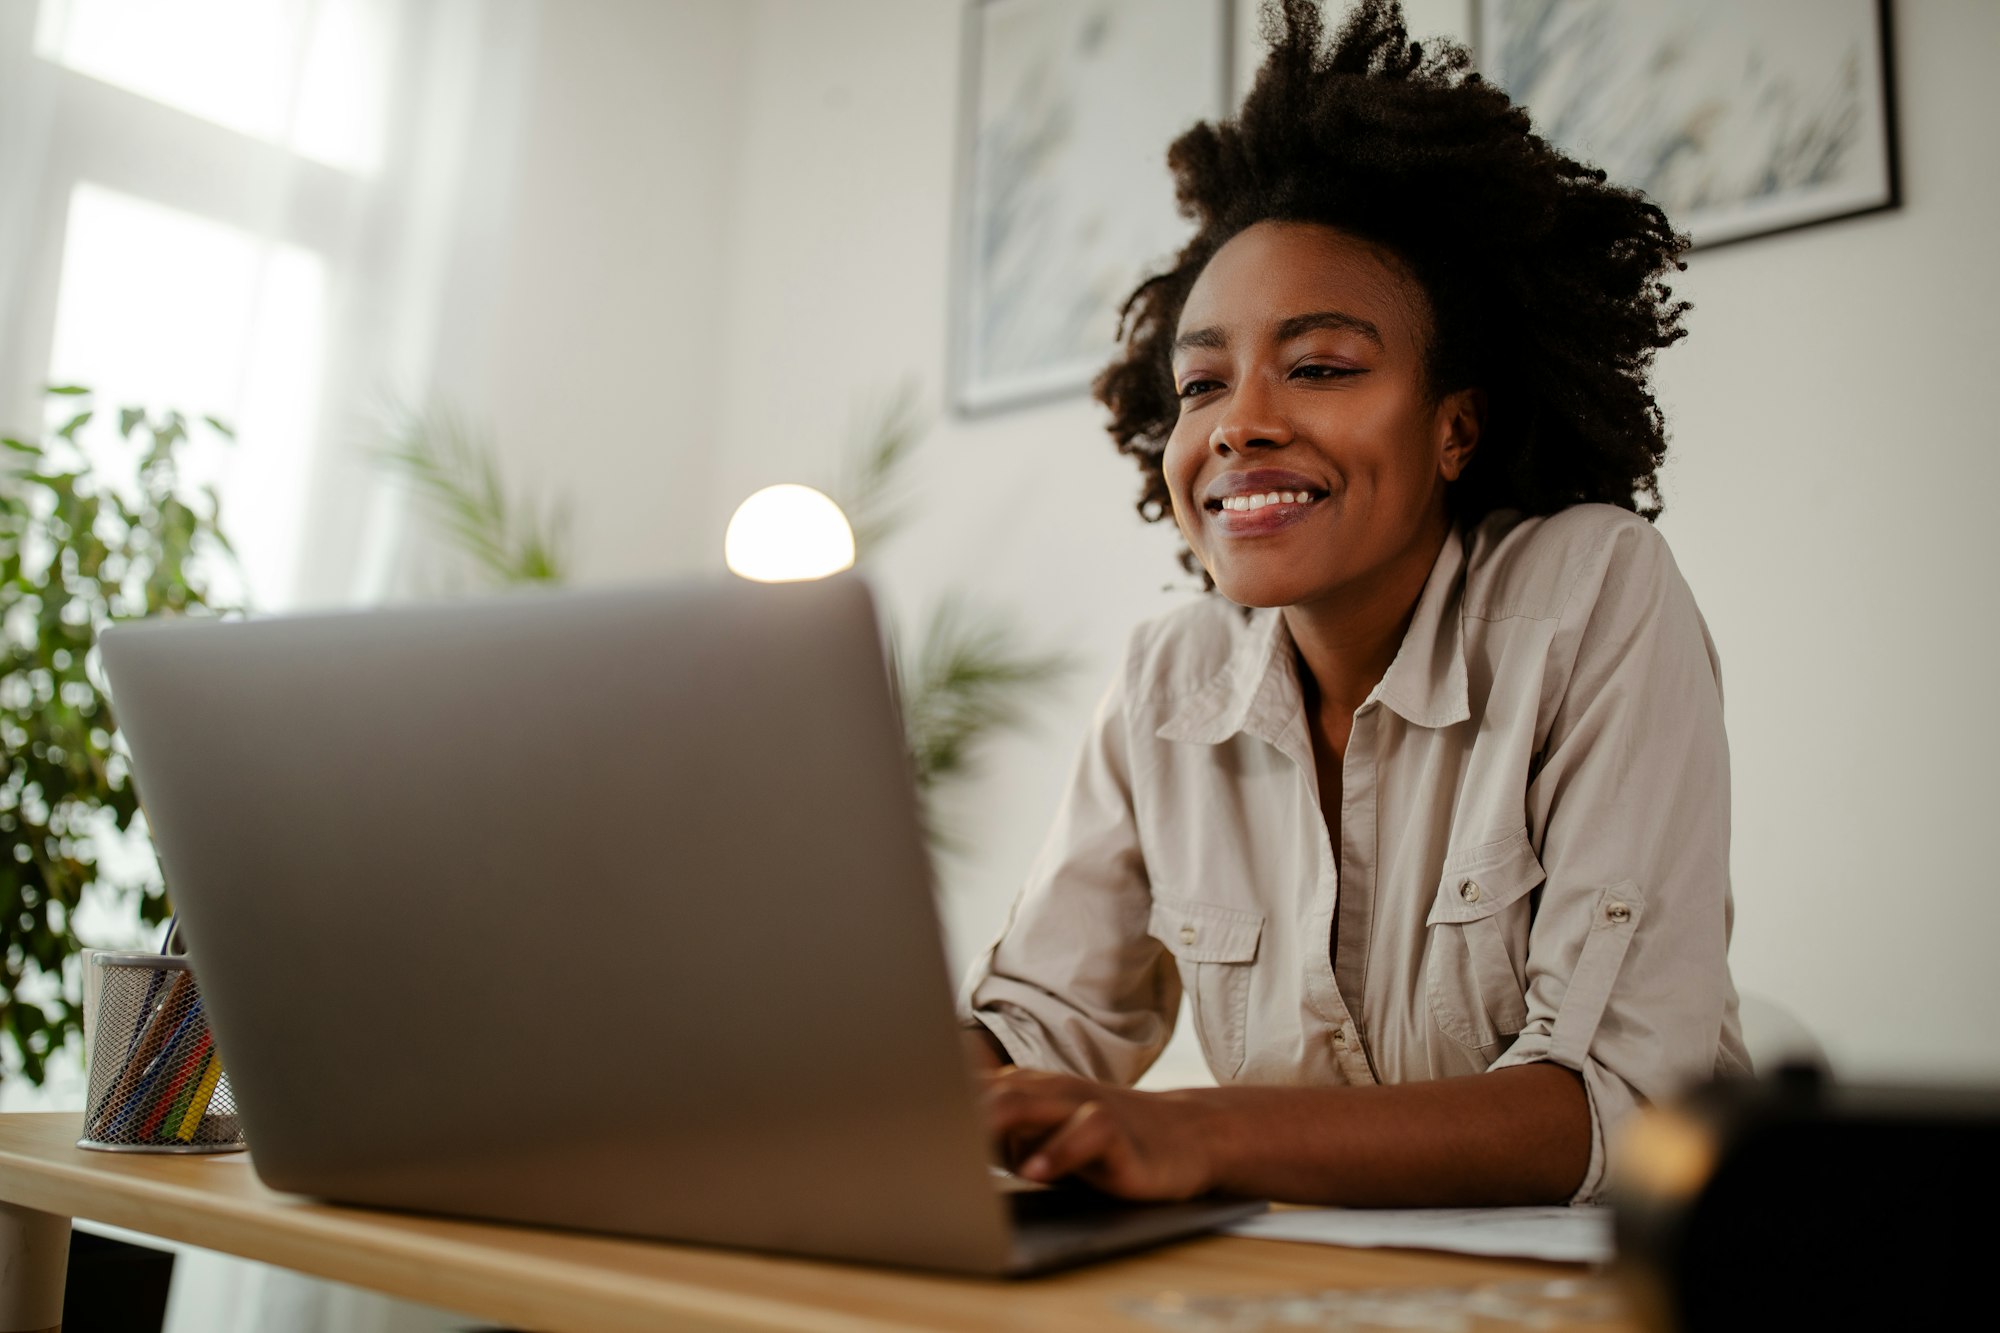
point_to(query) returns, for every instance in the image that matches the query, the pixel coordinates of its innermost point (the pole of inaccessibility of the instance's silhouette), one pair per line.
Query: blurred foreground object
(85, 538)
(1794, 1202)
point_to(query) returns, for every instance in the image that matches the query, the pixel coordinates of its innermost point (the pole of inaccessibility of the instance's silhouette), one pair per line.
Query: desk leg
(34, 1259)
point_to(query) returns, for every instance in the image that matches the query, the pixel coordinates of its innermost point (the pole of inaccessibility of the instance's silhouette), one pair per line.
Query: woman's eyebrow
(1299, 325)
(1214, 339)
(1211, 339)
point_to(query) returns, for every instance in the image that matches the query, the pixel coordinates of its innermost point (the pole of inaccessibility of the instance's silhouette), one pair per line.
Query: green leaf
(74, 424)
(870, 489)
(129, 419)
(456, 474)
(22, 447)
(967, 683)
(219, 427)
(67, 390)
(74, 549)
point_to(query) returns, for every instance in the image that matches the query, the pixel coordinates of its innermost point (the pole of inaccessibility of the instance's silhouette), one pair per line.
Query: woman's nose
(1249, 420)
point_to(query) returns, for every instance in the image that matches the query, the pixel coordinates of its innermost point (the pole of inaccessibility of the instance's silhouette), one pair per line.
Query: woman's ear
(1460, 417)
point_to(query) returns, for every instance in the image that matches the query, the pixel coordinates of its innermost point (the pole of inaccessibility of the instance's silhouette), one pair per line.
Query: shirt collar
(1258, 690)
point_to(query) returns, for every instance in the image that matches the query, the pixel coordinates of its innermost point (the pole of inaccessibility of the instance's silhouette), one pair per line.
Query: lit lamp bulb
(785, 534)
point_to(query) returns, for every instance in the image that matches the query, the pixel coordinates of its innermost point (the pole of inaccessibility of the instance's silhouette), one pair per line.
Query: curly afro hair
(1547, 286)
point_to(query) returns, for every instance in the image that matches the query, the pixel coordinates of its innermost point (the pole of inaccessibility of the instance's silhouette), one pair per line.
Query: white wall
(838, 292)
(1832, 454)
(603, 354)
(1835, 464)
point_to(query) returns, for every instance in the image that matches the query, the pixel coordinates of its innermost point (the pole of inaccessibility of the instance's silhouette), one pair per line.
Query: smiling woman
(1427, 812)
(1300, 341)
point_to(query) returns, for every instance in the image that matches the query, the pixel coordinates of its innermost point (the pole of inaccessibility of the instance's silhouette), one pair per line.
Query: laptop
(606, 910)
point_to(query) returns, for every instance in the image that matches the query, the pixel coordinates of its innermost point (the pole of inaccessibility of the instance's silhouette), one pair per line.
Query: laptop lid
(598, 909)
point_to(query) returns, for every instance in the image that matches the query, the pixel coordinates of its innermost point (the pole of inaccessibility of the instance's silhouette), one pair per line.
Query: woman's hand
(1138, 1145)
(1512, 1136)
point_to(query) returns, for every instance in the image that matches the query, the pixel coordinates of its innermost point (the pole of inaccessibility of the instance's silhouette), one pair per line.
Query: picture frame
(1064, 197)
(1740, 120)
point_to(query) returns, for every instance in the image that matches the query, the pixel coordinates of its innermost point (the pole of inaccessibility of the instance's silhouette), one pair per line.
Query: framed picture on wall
(1738, 119)
(1064, 195)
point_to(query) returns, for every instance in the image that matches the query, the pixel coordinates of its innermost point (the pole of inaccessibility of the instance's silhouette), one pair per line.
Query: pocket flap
(1481, 880)
(1205, 933)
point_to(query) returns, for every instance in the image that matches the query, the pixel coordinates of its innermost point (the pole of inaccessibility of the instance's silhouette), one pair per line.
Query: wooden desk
(559, 1281)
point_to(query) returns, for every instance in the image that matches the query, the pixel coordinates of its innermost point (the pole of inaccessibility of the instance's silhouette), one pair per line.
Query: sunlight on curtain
(159, 306)
(307, 75)
(275, 211)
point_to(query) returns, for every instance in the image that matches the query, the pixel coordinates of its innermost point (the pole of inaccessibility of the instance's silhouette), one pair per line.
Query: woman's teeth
(1245, 502)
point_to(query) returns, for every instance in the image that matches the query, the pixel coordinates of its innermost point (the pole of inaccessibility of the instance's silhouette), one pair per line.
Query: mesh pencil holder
(156, 1080)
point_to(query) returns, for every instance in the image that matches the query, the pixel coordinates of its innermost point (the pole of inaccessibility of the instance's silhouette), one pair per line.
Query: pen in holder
(156, 1080)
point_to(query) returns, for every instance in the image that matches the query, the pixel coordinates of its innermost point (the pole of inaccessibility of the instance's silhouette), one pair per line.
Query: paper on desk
(1576, 1235)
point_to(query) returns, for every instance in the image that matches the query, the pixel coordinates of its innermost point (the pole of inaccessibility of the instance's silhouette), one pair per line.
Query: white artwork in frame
(1739, 119)
(1065, 200)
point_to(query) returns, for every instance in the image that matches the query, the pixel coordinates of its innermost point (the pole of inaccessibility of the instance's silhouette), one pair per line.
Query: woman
(1431, 824)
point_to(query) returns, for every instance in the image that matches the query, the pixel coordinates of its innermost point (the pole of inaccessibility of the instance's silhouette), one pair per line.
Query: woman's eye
(1319, 371)
(1195, 388)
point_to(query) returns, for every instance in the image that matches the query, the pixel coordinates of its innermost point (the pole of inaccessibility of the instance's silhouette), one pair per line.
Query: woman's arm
(1075, 982)
(983, 1050)
(1514, 1136)
(1627, 967)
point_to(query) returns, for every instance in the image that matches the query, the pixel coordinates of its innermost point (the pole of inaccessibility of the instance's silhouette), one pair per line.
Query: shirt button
(1340, 1036)
(1469, 891)
(1187, 934)
(1618, 913)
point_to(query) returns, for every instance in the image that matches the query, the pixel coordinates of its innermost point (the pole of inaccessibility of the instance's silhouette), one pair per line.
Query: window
(213, 184)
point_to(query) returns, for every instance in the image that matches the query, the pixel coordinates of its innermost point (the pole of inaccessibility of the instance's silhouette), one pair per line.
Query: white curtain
(285, 214)
(280, 212)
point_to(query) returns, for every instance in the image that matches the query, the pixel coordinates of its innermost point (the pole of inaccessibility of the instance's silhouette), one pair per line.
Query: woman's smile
(1261, 501)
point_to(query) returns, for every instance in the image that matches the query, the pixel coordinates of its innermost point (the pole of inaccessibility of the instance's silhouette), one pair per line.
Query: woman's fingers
(1026, 1100)
(1088, 1135)
(1024, 1108)
(1134, 1144)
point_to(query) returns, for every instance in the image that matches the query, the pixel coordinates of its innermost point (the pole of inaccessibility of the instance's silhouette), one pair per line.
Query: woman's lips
(1269, 518)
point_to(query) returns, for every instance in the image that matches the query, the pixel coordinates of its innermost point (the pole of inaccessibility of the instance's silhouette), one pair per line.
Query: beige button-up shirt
(1534, 843)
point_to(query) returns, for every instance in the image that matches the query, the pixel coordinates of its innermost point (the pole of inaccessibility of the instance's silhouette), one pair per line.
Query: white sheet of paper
(1576, 1235)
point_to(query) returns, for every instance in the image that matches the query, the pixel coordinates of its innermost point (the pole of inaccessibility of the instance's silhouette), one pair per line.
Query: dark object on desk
(115, 1287)
(1795, 1202)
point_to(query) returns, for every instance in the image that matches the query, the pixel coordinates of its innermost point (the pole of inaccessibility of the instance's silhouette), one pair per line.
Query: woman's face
(1299, 362)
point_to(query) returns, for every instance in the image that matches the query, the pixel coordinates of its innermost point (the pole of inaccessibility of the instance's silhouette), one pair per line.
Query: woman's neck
(1346, 644)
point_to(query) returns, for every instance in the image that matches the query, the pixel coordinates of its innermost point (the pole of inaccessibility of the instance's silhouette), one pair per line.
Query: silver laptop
(604, 910)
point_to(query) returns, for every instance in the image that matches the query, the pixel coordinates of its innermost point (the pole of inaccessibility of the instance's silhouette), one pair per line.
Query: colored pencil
(175, 1113)
(161, 1064)
(153, 1032)
(198, 1105)
(185, 1072)
(148, 1009)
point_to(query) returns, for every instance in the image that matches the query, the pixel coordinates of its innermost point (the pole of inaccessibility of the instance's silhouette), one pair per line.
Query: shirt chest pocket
(1215, 948)
(1476, 969)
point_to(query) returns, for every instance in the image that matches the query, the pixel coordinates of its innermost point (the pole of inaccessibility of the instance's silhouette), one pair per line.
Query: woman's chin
(1258, 592)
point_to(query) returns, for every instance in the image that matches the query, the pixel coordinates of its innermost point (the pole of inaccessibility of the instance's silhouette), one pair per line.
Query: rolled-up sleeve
(1074, 982)
(1627, 966)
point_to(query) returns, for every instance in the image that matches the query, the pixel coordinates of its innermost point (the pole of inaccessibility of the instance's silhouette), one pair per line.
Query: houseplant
(80, 546)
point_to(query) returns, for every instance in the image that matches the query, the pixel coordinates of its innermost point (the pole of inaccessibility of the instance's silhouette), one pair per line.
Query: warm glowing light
(784, 534)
